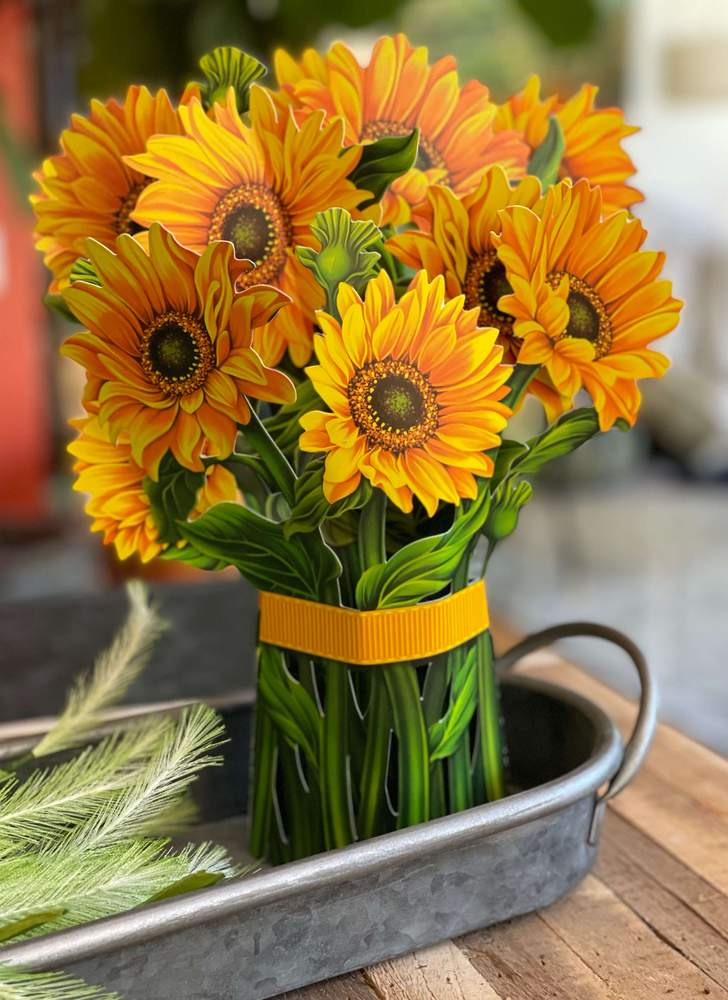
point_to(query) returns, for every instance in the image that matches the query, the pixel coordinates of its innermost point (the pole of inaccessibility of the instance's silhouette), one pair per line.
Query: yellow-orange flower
(168, 347)
(414, 390)
(460, 247)
(593, 138)
(114, 484)
(586, 300)
(88, 189)
(259, 186)
(396, 92)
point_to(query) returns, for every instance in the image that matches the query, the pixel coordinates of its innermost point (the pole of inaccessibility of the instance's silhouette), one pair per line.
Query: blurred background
(633, 531)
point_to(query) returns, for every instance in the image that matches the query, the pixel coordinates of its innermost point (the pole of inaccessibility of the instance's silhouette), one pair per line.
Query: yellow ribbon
(392, 635)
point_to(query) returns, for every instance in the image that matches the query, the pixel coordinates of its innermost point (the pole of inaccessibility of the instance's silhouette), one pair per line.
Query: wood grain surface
(650, 922)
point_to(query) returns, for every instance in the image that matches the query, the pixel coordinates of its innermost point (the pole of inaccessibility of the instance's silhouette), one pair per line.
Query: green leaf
(444, 735)
(508, 452)
(83, 270)
(284, 426)
(291, 707)
(546, 159)
(260, 550)
(172, 496)
(226, 67)
(312, 507)
(425, 567)
(384, 161)
(29, 923)
(563, 437)
(190, 883)
(344, 253)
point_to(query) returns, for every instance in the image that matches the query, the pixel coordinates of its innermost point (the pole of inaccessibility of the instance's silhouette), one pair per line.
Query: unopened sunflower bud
(503, 518)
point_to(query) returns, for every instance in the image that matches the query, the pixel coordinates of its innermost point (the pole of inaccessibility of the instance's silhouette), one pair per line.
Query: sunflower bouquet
(310, 310)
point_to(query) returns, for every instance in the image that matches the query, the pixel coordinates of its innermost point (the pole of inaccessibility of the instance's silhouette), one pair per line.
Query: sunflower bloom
(88, 189)
(586, 300)
(168, 348)
(397, 92)
(258, 186)
(114, 484)
(414, 390)
(460, 247)
(593, 138)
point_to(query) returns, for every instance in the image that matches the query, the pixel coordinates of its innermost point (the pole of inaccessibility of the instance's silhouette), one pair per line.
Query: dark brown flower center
(485, 283)
(588, 316)
(253, 219)
(393, 404)
(428, 155)
(177, 353)
(124, 222)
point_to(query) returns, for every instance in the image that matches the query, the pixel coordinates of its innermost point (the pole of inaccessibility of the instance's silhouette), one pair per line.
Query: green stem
(264, 776)
(372, 792)
(518, 383)
(460, 782)
(335, 804)
(433, 698)
(489, 723)
(276, 463)
(413, 750)
(371, 530)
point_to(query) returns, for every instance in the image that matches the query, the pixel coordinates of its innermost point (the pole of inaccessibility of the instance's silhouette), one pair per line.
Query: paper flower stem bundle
(309, 311)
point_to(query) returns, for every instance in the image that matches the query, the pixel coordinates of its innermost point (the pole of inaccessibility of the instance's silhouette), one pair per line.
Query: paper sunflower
(395, 93)
(259, 186)
(88, 189)
(414, 391)
(593, 138)
(460, 247)
(586, 300)
(168, 347)
(114, 484)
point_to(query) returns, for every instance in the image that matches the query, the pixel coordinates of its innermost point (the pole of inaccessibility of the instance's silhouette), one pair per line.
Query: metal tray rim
(238, 895)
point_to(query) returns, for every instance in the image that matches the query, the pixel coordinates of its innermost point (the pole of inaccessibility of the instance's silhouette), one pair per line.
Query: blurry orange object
(24, 411)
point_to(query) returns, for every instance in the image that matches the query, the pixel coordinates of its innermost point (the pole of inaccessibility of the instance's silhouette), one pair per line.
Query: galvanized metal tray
(253, 938)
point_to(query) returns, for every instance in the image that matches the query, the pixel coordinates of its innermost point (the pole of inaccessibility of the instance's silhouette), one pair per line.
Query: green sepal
(190, 883)
(312, 507)
(172, 496)
(444, 735)
(258, 548)
(57, 304)
(425, 567)
(506, 508)
(227, 67)
(622, 425)
(291, 707)
(383, 161)
(344, 253)
(545, 160)
(29, 923)
(83, 270)
(563, 437)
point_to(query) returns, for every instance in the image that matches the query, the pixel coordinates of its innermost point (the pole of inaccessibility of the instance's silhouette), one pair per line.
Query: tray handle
(638, 743)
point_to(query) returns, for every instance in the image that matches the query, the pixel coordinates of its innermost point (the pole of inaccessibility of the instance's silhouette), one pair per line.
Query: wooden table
(650, 923)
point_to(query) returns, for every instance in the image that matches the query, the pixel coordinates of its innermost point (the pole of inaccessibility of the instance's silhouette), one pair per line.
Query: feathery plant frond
(88, 838)
(182, 755)
(112, 674)
(58, 799)
(17, 984)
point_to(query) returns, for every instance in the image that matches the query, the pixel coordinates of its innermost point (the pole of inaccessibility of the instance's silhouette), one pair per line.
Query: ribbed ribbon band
(370, 637)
